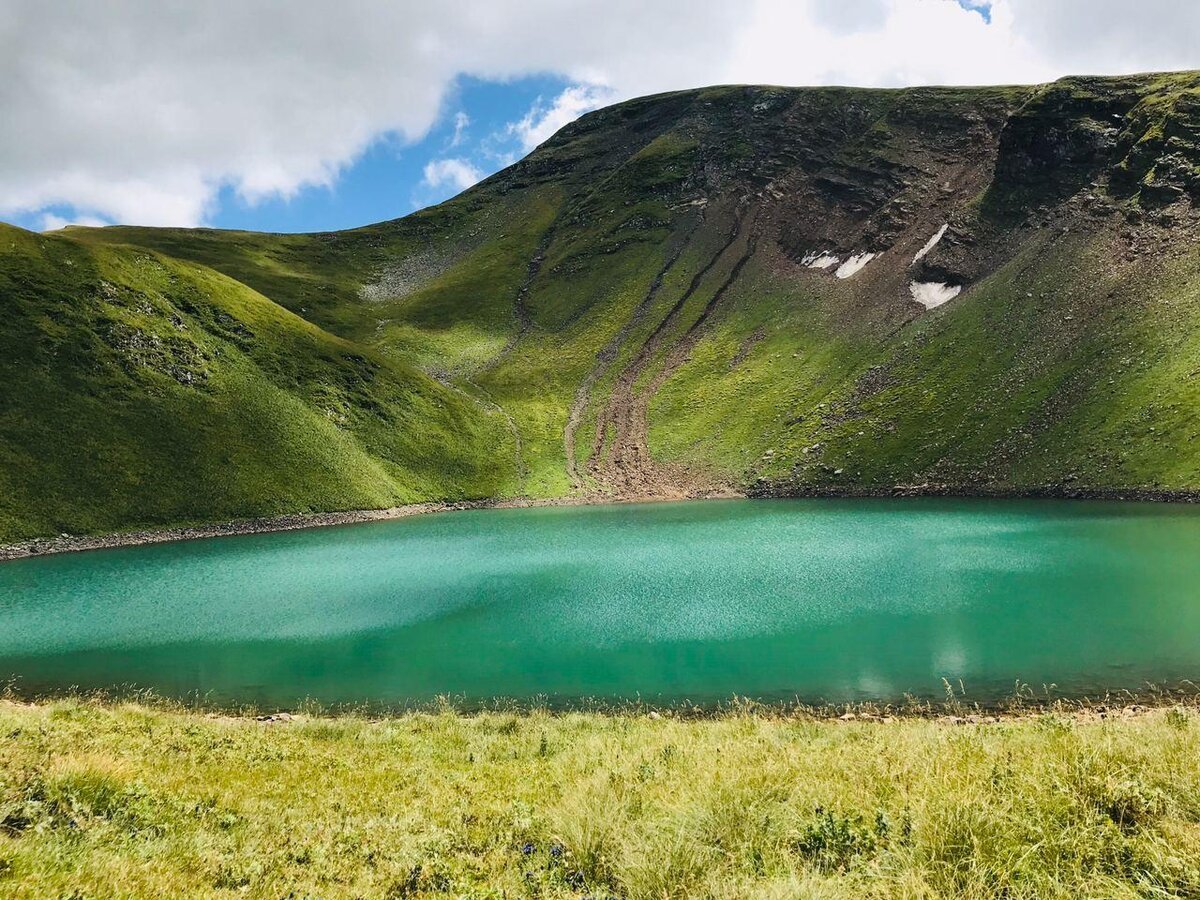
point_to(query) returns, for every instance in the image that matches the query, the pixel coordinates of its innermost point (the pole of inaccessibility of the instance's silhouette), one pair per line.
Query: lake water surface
(814, 599)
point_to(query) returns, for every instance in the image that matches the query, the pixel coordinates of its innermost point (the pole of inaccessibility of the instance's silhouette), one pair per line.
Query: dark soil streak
(627, 469)
(604, 359)
(521, 312)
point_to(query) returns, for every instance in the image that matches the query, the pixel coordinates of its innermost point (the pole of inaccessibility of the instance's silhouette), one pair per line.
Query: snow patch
(933, 293)
(933, 242)
(854, 264)
(818, 260)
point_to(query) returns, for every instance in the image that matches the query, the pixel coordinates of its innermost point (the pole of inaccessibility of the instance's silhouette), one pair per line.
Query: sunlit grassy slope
(105, 801)
(630, 311)
(138, 388)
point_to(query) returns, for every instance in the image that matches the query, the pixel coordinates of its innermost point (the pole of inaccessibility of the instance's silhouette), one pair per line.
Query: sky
(309, 115)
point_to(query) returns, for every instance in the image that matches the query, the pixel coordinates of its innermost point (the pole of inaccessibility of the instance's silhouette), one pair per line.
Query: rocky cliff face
(776, 290)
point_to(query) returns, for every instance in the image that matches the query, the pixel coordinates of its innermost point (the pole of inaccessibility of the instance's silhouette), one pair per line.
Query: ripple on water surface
(820, 599)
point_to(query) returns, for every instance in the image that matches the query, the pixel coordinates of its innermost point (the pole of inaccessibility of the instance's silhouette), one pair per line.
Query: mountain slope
(139, 389)
(763, 289)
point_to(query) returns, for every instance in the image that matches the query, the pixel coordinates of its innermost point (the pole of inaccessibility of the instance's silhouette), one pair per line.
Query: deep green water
(834, 600)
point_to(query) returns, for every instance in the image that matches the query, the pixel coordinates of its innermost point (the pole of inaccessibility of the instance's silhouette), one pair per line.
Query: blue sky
(983, 7)
(478, 125)
(226, 114)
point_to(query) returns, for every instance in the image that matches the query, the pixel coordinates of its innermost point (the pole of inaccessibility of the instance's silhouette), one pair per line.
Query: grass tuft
(108, 798)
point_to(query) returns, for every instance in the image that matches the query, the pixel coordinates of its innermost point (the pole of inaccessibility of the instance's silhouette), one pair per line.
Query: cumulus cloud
(54, 222)
(906, 42)
(1103, 36)
(129, 113)
(144, 114)
(457, 174)
(546, 118)
(849, 16)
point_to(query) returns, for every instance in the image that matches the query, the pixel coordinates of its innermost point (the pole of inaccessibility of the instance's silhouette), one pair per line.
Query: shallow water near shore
(817, 600)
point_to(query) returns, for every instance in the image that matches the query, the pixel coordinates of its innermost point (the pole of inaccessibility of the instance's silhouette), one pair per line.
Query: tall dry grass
(104, 800)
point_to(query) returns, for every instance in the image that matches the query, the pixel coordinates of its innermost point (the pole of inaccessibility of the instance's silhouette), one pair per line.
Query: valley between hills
(733, 290)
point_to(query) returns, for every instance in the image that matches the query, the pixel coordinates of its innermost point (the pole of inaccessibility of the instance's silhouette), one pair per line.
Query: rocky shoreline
(68, 543)
(1123, 705)
(769, 491)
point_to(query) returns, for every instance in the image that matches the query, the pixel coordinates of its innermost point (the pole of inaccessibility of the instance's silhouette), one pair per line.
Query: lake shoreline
(262, 525)
(1111, 706)
(67, 543)
(979, 492)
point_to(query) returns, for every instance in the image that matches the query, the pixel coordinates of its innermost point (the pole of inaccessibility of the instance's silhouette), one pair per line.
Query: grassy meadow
(120, 799)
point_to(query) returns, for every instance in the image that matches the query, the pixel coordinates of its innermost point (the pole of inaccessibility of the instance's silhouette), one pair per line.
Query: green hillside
(649, 305)
(141, 389)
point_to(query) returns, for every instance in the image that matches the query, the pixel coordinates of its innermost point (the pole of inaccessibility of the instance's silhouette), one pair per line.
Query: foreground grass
(125, 800)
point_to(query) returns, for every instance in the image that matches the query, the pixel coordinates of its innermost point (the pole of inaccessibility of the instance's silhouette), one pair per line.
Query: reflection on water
(774, 599)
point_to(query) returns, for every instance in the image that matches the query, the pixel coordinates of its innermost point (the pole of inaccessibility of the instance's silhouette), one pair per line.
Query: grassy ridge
(141, 389)
(106, 800)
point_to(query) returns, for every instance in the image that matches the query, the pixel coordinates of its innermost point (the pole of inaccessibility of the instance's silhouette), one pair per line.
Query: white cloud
(140, 114)
(143, 114)
(461, 121)
(907, 42)
(546, 118)
(452, 173)
(1103, 36)
(53, 222)
(849, 16)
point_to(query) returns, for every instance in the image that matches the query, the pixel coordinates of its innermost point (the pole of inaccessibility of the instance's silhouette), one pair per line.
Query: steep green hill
(141, 389)
(769, 290)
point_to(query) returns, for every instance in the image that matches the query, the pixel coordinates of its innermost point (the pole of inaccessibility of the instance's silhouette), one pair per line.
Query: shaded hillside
(761, 289)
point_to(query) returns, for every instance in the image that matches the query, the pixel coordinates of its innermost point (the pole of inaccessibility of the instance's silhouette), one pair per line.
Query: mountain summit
(735, 289)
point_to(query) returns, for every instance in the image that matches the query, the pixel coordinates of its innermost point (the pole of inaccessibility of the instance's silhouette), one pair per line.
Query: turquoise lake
(779, 600)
